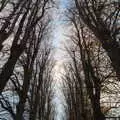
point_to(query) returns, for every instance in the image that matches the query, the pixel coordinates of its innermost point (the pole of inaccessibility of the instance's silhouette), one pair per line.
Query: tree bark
(98, 115)
(8, 68)
(20, 110)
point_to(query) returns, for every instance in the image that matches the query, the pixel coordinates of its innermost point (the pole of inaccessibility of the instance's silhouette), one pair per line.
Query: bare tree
(77, 100)
(87, 66)
(32, 13)
(36, 52)
(102, 18)
(38, 92)
(41, 86)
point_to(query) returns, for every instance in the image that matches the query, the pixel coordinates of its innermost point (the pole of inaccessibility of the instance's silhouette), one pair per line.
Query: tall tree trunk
(8, 68)
(23, 94)
(20, 110)
(98, 115)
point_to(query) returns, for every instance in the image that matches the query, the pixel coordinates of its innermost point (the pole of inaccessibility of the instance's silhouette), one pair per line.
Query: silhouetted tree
(87, 67)
(102, 18)
(28, 15)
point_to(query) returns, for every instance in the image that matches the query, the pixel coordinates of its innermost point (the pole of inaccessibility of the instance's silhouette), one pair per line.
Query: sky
(59, 31)
(59, 21)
